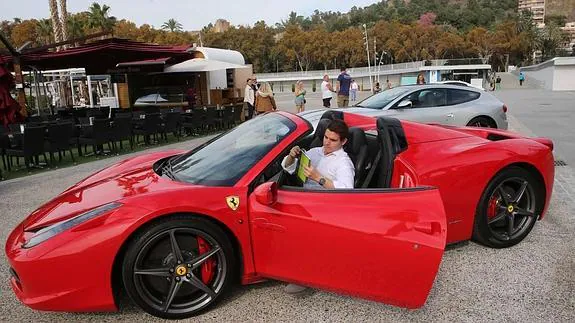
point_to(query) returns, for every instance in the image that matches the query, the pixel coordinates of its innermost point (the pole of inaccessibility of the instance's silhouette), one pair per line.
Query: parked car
(460, 83)
(174, 228)
(433, 103)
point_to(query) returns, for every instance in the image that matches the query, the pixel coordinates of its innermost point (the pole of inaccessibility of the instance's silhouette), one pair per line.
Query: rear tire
(508, 209)
(163, 271)
(484, 122)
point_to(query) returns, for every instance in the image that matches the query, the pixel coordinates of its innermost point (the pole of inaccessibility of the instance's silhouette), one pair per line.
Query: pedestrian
(420, 79)
(521, 78)
(265, 101)
(299, 97)
(250, 98)
(376, 88)
(498, 82)
(388, 84)
(326, 91)
(343, 85)
(353, 90)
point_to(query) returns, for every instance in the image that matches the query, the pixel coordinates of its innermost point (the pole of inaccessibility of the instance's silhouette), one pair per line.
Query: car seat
(356, 148)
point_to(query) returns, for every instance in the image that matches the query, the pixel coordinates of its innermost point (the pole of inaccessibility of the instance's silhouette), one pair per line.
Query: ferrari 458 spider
(174, 229)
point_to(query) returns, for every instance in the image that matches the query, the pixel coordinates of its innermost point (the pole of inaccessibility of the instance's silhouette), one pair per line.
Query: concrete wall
(557, 74)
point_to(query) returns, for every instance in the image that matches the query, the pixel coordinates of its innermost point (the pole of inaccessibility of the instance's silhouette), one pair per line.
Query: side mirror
(267, 193)
(405, 104)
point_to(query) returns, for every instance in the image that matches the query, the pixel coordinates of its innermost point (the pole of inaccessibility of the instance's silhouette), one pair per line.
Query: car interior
(372, 153)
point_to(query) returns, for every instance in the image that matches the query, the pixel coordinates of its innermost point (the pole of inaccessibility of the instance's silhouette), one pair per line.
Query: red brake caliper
(207, 268)
(492, 208)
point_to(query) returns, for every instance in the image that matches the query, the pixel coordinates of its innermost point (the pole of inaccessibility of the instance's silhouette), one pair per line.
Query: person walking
(343, 85)
(250, 98)
(498, 82)
(388, 84)
(353, 90)
(521, 78)
(299, 97)
(326, 91)
(265, 101)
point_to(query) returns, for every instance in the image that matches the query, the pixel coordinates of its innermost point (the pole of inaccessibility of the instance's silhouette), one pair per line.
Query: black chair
(60, 140)
(172, 123)
(227, 119)
(356, 148)
(211, 120)
(121, 130)
(152, 126)
(238, 109)
(96, 135)
(319, 133)
(4, 144)
(31, 148)
(195, 123)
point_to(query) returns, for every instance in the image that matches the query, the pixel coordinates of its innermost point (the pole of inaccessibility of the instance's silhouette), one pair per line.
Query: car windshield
(380, 100)
(224, 161)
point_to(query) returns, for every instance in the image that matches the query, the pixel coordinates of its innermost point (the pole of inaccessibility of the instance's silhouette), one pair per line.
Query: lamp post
(368, 62)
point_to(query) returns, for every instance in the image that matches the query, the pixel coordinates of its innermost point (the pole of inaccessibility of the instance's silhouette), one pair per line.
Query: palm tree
(172, 25)
(55, 20)
(75, 26)
(98, 17)
(63, 19)
(45, 31)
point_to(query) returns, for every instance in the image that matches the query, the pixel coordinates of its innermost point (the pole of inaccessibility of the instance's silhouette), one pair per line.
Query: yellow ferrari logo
(233, 202)
(181, 270)
(510, 208)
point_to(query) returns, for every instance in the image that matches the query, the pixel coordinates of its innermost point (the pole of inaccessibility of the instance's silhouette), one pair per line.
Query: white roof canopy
(201, 65)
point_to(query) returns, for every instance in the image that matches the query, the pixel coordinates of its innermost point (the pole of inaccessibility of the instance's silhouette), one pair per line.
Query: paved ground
(533, 281)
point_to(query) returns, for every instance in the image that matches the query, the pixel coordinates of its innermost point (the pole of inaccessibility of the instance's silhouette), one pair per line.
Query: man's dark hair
(339, 127)
(342, 69)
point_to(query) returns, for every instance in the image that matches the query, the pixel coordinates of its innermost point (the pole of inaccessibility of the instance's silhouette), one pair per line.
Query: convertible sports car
(174, 229)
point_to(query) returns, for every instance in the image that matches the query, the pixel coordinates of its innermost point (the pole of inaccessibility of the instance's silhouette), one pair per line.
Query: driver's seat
(319, 133)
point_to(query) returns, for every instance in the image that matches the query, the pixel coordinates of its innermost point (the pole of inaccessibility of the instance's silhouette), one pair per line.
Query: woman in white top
(250, 98)
(326, 91)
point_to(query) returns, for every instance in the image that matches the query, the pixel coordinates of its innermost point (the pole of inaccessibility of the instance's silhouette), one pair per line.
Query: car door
(461, 106)
(384, 245)
(427, 106)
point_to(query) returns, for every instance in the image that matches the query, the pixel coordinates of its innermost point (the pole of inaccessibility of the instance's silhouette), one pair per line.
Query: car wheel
(508, 209)
(178, 267)
(482, 122)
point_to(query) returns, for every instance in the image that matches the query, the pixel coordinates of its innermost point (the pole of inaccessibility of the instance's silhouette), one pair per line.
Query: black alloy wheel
(481, 122)
(509, 208)
(178, 267)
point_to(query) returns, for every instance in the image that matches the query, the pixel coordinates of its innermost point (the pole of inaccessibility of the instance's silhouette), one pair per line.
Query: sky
(192, 14)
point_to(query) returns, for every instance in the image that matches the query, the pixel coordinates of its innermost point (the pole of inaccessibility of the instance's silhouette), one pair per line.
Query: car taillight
(504, 108)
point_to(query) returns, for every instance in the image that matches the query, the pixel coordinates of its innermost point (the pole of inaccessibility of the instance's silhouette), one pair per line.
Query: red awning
(100, 56)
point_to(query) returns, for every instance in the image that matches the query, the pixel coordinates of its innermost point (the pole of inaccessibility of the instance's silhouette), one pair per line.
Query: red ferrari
(174, 229)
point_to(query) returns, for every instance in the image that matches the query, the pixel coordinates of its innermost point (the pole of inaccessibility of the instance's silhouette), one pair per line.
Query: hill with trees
(403, 31)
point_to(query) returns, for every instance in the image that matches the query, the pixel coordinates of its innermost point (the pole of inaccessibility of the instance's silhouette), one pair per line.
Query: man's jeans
(353, 95)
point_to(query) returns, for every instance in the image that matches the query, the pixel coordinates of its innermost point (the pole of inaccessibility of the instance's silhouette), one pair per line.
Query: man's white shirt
(335, 166)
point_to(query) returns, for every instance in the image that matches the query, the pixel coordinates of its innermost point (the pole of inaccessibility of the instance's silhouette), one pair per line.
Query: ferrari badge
(233, 202)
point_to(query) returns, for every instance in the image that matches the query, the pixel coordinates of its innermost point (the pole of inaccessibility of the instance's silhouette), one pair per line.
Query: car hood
(119, 182)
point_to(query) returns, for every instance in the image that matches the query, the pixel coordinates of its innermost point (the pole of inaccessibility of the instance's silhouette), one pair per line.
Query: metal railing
(335, 72)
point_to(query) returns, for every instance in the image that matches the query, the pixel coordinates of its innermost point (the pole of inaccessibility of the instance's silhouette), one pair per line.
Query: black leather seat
(356, 148)
(317, 140)
(392, 142)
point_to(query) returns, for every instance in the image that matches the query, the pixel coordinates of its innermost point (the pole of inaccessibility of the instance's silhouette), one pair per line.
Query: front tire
(508, 209)
(178, 267)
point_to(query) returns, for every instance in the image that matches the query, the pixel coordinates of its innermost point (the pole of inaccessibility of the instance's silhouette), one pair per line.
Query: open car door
(383, 244)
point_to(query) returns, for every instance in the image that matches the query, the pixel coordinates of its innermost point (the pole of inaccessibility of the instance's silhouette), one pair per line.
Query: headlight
(48, 232)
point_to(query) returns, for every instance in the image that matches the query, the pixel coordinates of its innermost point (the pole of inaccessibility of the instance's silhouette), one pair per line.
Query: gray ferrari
(432, 103)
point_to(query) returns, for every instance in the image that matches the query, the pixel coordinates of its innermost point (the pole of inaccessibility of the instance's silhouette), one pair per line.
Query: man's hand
(295, 151)
(311, 173)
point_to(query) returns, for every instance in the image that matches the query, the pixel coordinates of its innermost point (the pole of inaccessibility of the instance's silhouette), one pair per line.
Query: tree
(64, 19)
(172, 25)
(481, 41)
(45, 31)
(76, 25)
(24, 32)
(551, 39)
(55, 20)
(427, 19)
(99, 17)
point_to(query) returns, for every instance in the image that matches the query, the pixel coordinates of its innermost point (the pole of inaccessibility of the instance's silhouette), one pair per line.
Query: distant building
(537, 7)
(569, 29)
(221, 26)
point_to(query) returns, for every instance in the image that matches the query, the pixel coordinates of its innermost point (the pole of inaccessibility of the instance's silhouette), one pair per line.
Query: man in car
(330, 166)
